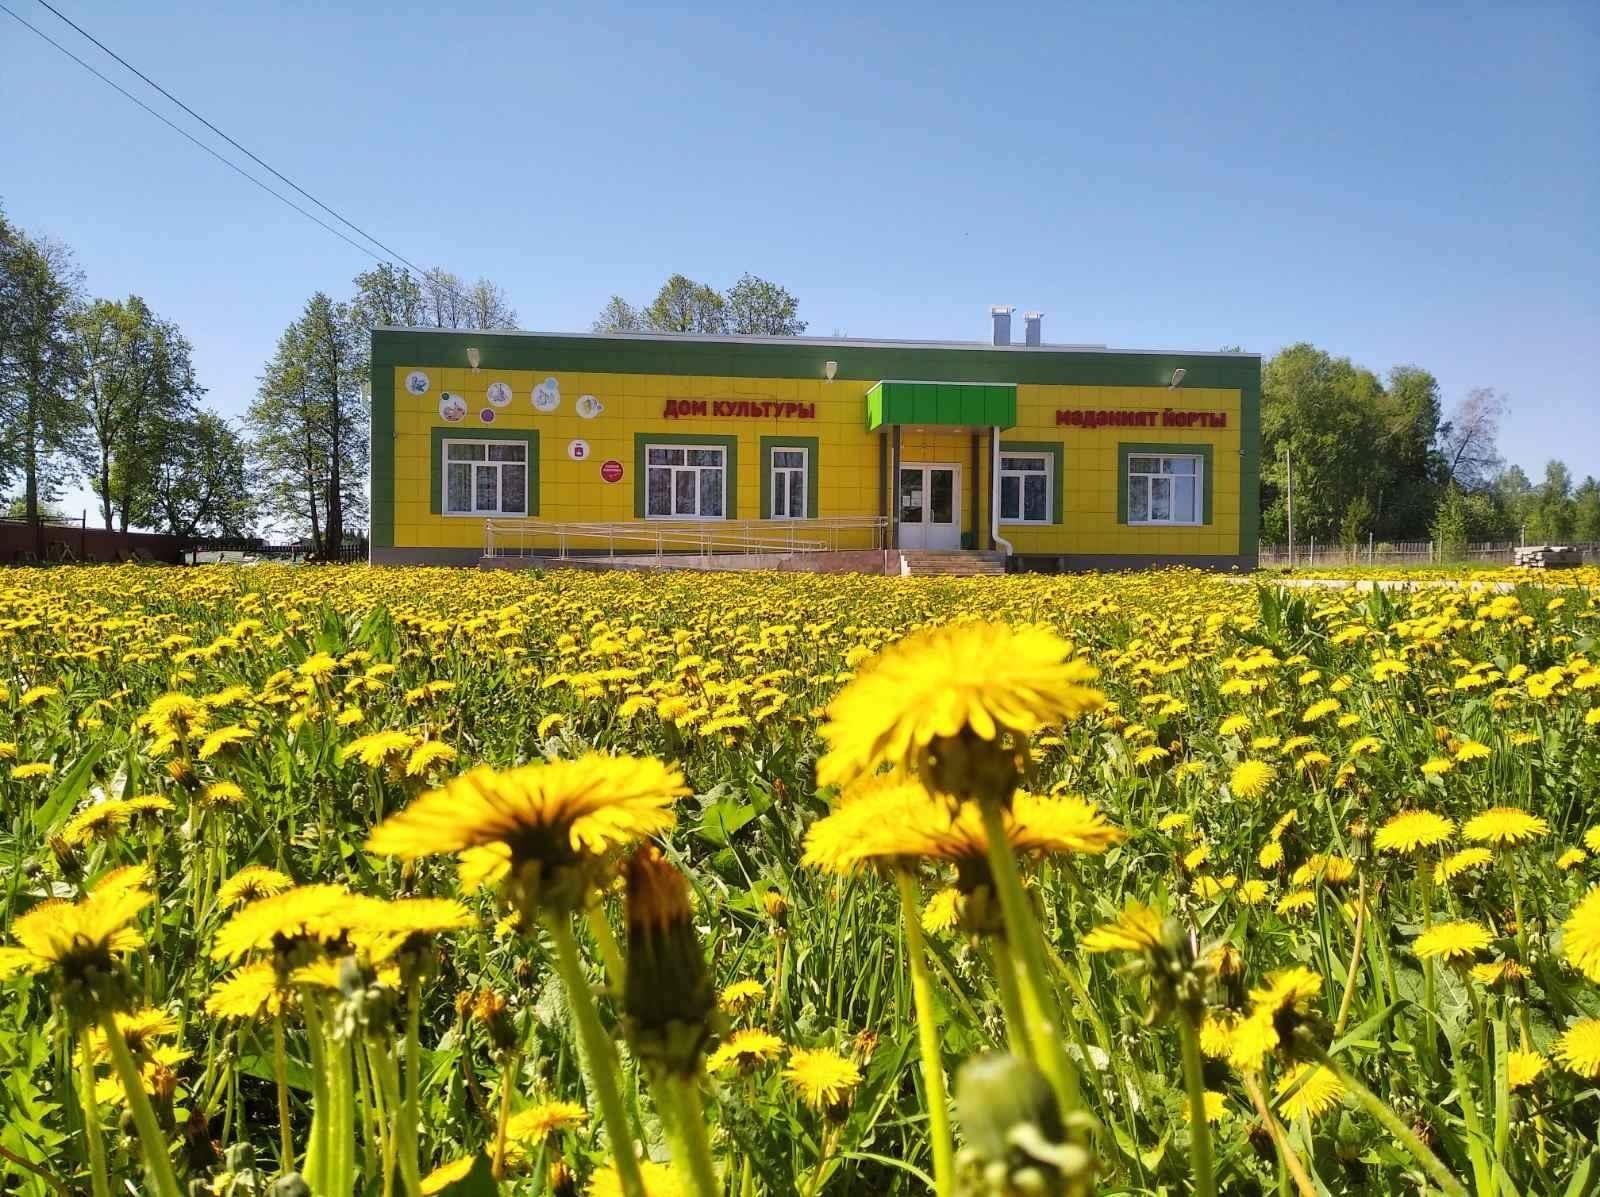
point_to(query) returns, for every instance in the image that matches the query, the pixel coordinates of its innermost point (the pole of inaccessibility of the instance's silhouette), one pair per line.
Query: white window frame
(1048, 473)
(720, 450)
(1146, 478)
(477, 512)
(803, 471)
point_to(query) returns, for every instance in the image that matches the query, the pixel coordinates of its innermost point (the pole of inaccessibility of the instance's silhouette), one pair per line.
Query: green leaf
(68, 790)
(722, 819)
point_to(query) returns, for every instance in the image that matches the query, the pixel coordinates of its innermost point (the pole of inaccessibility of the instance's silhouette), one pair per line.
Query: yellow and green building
(1051, 457)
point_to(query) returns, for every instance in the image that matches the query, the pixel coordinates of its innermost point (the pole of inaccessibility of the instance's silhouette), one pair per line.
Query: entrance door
(930, 506)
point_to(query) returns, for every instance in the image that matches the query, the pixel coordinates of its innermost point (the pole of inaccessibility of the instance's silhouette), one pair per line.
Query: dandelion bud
(66, 858)
(667, 993)
(490, 1009)
(560, 1180)
(776, 906)
(1360, 840)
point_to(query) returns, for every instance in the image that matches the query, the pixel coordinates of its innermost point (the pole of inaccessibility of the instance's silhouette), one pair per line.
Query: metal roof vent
(1002, 324)
(1030, 327)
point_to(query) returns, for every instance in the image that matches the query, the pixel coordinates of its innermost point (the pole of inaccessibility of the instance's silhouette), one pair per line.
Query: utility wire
(231, 165)
(279, 175)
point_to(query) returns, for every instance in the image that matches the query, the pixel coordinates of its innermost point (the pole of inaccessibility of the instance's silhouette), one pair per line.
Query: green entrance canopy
(948, 404)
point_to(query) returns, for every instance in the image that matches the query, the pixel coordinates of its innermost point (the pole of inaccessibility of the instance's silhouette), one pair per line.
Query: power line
(231, 165)
(253, 157)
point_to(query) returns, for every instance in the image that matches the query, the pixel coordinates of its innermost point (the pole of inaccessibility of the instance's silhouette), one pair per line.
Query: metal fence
(1313, 554)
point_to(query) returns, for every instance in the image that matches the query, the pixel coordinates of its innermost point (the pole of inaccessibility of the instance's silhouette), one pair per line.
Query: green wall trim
(730, 493)
(526, 436)
(812, 446)
(1058, 483)
(1127, 449)
(1250, 470)
(380, 482)
(942, 404)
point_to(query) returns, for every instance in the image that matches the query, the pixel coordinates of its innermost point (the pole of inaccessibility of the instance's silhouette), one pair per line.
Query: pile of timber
(1548, 556)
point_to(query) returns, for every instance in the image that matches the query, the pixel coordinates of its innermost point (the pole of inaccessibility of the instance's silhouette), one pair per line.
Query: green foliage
(752, 306)
(1451, 526)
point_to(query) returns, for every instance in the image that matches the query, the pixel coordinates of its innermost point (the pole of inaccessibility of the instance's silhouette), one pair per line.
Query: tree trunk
(105, 486)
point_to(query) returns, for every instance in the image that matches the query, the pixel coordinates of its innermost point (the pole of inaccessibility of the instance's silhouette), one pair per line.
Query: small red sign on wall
(611, 470)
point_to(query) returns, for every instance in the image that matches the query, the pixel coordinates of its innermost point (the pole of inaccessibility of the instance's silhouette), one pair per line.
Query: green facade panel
(942, 404)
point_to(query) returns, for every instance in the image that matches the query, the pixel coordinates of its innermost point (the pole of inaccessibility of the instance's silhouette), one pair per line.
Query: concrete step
(953, 563)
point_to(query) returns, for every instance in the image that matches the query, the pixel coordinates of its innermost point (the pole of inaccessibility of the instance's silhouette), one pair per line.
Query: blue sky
(1401, 184)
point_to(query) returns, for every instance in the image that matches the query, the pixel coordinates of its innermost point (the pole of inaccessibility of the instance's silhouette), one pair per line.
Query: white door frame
(927, 534)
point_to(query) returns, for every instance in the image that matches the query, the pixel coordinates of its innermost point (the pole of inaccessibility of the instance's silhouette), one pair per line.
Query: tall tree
(334, 362)
(1468, 440)
(39, 415)
(1554, 515)
(761, 308)
(1324, 410)
(135, 383)
(308, 424)
(204, 484)
(488, 307)
(387, 296)
(685, 306)
(288, 423)
(444, 298)
(1586, 512)
(618, 316)
(1408, 475)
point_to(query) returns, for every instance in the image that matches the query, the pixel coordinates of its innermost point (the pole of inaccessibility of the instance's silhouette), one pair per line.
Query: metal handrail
(513, 538)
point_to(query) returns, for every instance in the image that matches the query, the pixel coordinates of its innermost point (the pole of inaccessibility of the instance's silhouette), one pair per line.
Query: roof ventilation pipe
(1002, 324)
(1030, 327)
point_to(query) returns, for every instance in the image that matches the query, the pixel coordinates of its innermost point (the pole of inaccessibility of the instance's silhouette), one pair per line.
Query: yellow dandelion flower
(224, 738)
(741, 995)
(1412, 830)
(659, 1181)
(1216, 1034)
(1464, 861)
(539, 1122)
(1434, 766)
(1505, 825)
(222, 793)
(1311, 1089)
(1523, 1068)
(1459, 939)
(251, 882)
(744, 1050)
(980, 678)
(379, 748)
(445, 1175)
(1253, 892)
(1250, 779)
(254, 991)
(1320, 709)
(1580, 936)
(78, 938)
(428, 755)
(1471, 750)
(1297, 902)
(1578, 1049)
(1136, 929)
(823, 1077)
(29, 769)
(1215, 1105)
(1234, 725)
(1271, 854)
(1571, 859)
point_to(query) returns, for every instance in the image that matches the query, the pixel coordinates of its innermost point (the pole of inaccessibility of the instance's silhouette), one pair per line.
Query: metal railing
(658, 538)
(1419, 552)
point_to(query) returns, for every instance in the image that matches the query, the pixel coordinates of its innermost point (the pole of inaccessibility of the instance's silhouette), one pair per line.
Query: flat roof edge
(728, 340)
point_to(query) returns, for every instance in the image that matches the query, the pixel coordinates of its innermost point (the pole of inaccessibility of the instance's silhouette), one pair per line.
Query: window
(485, 478)
(685, 482)
(789, 484)
(1025, 486)
(1165, 489)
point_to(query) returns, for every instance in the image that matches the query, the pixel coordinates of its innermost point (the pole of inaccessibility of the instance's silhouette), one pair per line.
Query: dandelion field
(348, 881)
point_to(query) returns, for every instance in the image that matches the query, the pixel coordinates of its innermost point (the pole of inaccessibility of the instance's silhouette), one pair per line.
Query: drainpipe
(994, 493)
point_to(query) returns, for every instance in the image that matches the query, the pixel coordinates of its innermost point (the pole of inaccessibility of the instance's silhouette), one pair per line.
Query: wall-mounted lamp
(829, 369)
(1177, 376)
(472, 357)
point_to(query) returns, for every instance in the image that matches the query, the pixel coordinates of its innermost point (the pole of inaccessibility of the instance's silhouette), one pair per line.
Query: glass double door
(929, 497)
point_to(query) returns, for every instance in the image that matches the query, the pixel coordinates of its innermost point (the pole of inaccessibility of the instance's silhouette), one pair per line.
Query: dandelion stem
(1390, 1121)
(154, 1144)
(91, 1122)
(694, 1145)
(610, 951)
(316, 1166)
(1022, 931)
(508, 1072)
(1200, 1158)
(1356, 952)
(928, 1038)
(1005, 983)
(410, 1108)
(280, 1067)
(1286, 1153)
(601, 1054)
